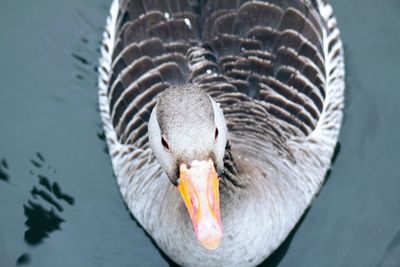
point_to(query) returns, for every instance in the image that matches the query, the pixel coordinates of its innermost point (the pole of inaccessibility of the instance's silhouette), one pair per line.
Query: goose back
(262, 61)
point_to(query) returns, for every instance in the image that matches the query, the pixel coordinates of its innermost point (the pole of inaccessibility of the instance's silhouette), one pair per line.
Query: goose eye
(164, 143)
(216, 135)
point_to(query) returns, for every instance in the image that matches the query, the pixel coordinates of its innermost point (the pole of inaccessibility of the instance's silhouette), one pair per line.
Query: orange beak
(199, 188)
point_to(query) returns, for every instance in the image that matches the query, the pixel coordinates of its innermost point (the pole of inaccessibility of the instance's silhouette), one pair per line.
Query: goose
(221, 119)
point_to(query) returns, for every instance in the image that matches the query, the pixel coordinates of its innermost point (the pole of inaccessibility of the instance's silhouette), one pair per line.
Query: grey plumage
(187, 122)
(276, 69)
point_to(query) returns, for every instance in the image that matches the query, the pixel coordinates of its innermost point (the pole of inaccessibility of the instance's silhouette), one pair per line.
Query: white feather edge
(116, 149)
(329, 123)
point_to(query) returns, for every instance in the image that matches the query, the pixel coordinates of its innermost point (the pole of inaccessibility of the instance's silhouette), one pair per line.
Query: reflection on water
(40, 222)
(24, 259)
(80, 59)
(86, 69)
(3, 170)
(44, 208)
(102, 136)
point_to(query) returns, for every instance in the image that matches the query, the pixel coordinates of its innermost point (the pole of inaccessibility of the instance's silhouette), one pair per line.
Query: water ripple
(43, 210)
(4, 170)
(42, 221)
(24, 259)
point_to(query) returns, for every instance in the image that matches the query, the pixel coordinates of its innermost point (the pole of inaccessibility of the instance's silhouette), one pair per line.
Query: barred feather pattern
(275, 67)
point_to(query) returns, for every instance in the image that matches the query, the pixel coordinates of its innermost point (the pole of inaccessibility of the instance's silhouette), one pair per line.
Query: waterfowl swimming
(221, 118)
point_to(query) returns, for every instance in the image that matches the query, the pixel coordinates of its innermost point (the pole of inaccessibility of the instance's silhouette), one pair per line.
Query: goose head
(188, 136)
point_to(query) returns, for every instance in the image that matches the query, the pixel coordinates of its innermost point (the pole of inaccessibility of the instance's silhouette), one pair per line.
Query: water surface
(59, 202)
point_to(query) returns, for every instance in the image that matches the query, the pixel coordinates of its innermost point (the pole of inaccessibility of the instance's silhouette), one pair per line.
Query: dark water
(59, 203)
